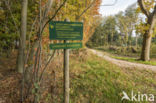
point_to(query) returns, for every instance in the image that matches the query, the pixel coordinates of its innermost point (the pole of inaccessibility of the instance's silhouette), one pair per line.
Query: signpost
(66, 75)
(65, 30)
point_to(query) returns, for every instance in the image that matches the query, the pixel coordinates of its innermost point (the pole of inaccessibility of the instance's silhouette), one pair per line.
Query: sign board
(66, 46)
(60, 30)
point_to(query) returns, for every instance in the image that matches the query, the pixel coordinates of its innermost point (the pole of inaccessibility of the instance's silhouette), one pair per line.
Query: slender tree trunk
(22, 44)
(112, 38)
(136, 41)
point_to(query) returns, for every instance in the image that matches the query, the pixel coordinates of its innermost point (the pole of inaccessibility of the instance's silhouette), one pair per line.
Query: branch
(154, 11)
(143, 8)
(52, 56)
(36, 43)
(86, 9)
(53, 15)
(33, 25)
(47, 9)
(153, 18)
(92, 5)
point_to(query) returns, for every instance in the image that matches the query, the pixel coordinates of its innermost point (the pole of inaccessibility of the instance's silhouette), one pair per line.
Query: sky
(120, 5)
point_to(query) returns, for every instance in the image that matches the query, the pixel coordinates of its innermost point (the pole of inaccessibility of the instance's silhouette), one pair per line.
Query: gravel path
(123, 63)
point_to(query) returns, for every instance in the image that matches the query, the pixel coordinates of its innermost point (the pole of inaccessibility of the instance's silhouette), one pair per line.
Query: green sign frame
(60, 30)
(66, 46)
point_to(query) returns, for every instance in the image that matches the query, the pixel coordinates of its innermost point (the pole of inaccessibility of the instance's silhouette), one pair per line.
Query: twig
(52, 56)
(53, 15)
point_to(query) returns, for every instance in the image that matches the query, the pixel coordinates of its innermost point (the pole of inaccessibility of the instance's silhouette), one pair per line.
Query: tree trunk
(145, 54)
(136, 41)
(112, 38)
(22, 44)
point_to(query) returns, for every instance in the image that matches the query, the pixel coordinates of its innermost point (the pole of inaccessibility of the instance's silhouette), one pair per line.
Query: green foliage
(117, 30)
(153, 49)
(105, 33)
(8, 32)
(10, 21)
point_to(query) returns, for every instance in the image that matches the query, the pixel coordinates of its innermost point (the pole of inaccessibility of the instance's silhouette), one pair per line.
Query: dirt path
(123, 63)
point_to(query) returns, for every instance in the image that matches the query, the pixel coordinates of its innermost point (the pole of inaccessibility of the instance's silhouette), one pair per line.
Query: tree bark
(23, 31)
(145, 54)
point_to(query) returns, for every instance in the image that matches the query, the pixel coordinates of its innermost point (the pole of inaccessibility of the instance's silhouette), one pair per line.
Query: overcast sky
(121, 5)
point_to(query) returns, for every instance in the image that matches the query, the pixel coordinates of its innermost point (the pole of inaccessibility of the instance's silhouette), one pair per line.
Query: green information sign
(60, 30)
(66, 46)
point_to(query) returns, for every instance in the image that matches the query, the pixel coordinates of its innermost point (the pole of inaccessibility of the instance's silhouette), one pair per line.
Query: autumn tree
(85, 11)
(148, 8)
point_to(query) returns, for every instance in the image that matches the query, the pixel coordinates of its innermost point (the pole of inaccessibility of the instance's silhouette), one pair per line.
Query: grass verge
(131, 57)
(95, 80)
(135, 60)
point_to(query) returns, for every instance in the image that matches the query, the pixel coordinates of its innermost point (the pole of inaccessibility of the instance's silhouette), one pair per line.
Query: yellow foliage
(74, 8)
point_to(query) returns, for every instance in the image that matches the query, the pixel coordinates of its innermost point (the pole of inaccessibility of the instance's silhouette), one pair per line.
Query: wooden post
(66, 72)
